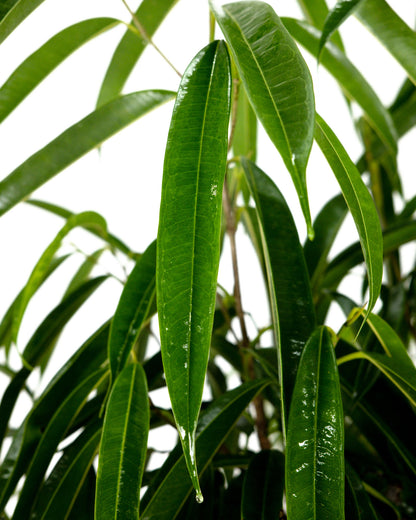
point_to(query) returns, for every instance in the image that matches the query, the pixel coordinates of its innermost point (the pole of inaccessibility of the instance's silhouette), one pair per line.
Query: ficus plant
(301, 419)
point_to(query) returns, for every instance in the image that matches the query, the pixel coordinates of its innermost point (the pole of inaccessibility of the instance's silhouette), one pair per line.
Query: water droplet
(199, 497)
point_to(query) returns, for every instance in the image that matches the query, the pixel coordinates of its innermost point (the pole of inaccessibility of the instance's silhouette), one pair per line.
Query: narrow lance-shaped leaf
(42, 62)
(359, 202)
(123, 447)
(397, 37)
(357, 502)
(277, 81)
(132, 309)
(12, 13)
(189, 234)
(315, 439)
(289, 288)
(150, 15)
(75, 142)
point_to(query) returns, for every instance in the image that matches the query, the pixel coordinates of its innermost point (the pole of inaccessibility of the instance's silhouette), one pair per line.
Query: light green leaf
(84, 271)
(13, 12)
(132, 310)
(396, 36)
(277, 81)
(75, 142)
(315, 438)
(360, 204)
(123, 447)
(189, 233)
(42, 62)
(150, 15)
(352, 82)
(339, 13)
(170, 488)
(245, 133)
(289, 288)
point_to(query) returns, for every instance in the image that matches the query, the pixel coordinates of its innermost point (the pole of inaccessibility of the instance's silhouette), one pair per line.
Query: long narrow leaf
(277, 81)
(42, 62)
(315, 439)
(12, 13)
(289, 288)
(189, 233)
(357, 504)
(123, 447)
(359, 202)
(75, 142)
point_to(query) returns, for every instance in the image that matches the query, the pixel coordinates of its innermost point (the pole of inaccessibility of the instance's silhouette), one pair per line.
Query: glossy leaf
(150, 14)
(315, 439)
(277, 82)
(132, 310)
(88, 219)
(75, 142)
(358, 503)
(289, 288)
(188, 243)
(123, 447)
(42, 62)
(170, 488)
(263, 486)
(396, 36)
(12, 13)
(350, 79)
(360, 204)
(339, 13)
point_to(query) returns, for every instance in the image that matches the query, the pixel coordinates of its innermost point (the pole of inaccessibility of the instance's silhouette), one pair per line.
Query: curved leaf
(358, 504)
(352, 82)
(123, 447)
(42, 62)
(150, 14)
(263, 486)
(84, 271)
(315, 438)
(132, 310)
(289, 288)
(360, 204)
(277, 81)
(189, 233)
(75, 142)
(13, 12)
(397, 37)
(167, 493)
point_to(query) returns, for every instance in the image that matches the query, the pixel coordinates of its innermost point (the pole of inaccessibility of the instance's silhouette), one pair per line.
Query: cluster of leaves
(335, 425)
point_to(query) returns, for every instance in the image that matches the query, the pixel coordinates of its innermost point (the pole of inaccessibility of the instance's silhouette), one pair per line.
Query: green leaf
(360, 204)
(82, 275)
(339, 13)
(75, 142)
(189, 233)
(245, 132)
(43, 61)
(277, 81)
(351, 81)
(358, 504)
(167, 493)
(263, 486)
(88, 219)
(315, 438)
(289, 288)
(12, 13)
(150, 15)
(123, 447)
(396, 36)
(132, 310)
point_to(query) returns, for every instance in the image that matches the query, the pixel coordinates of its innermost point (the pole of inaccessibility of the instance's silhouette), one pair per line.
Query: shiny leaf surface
(315, 439)
(188, 243)
(277, 82)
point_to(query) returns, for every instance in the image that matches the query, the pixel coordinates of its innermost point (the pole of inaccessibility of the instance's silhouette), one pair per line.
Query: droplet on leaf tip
(199, 497)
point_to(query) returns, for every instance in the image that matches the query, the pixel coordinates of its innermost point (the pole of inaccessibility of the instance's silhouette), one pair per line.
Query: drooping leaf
(132, 310)
(396, 36)
(43, 61)
(360, 204)
(123, 447)
(12, 13)
(170, 488)
(263, 486)
(339, 13)
(277, 82)
(350, 79)
(289, 288)
(83, 272)
(150, 15)
(75, 142)
(188, 243)
(315, 438)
